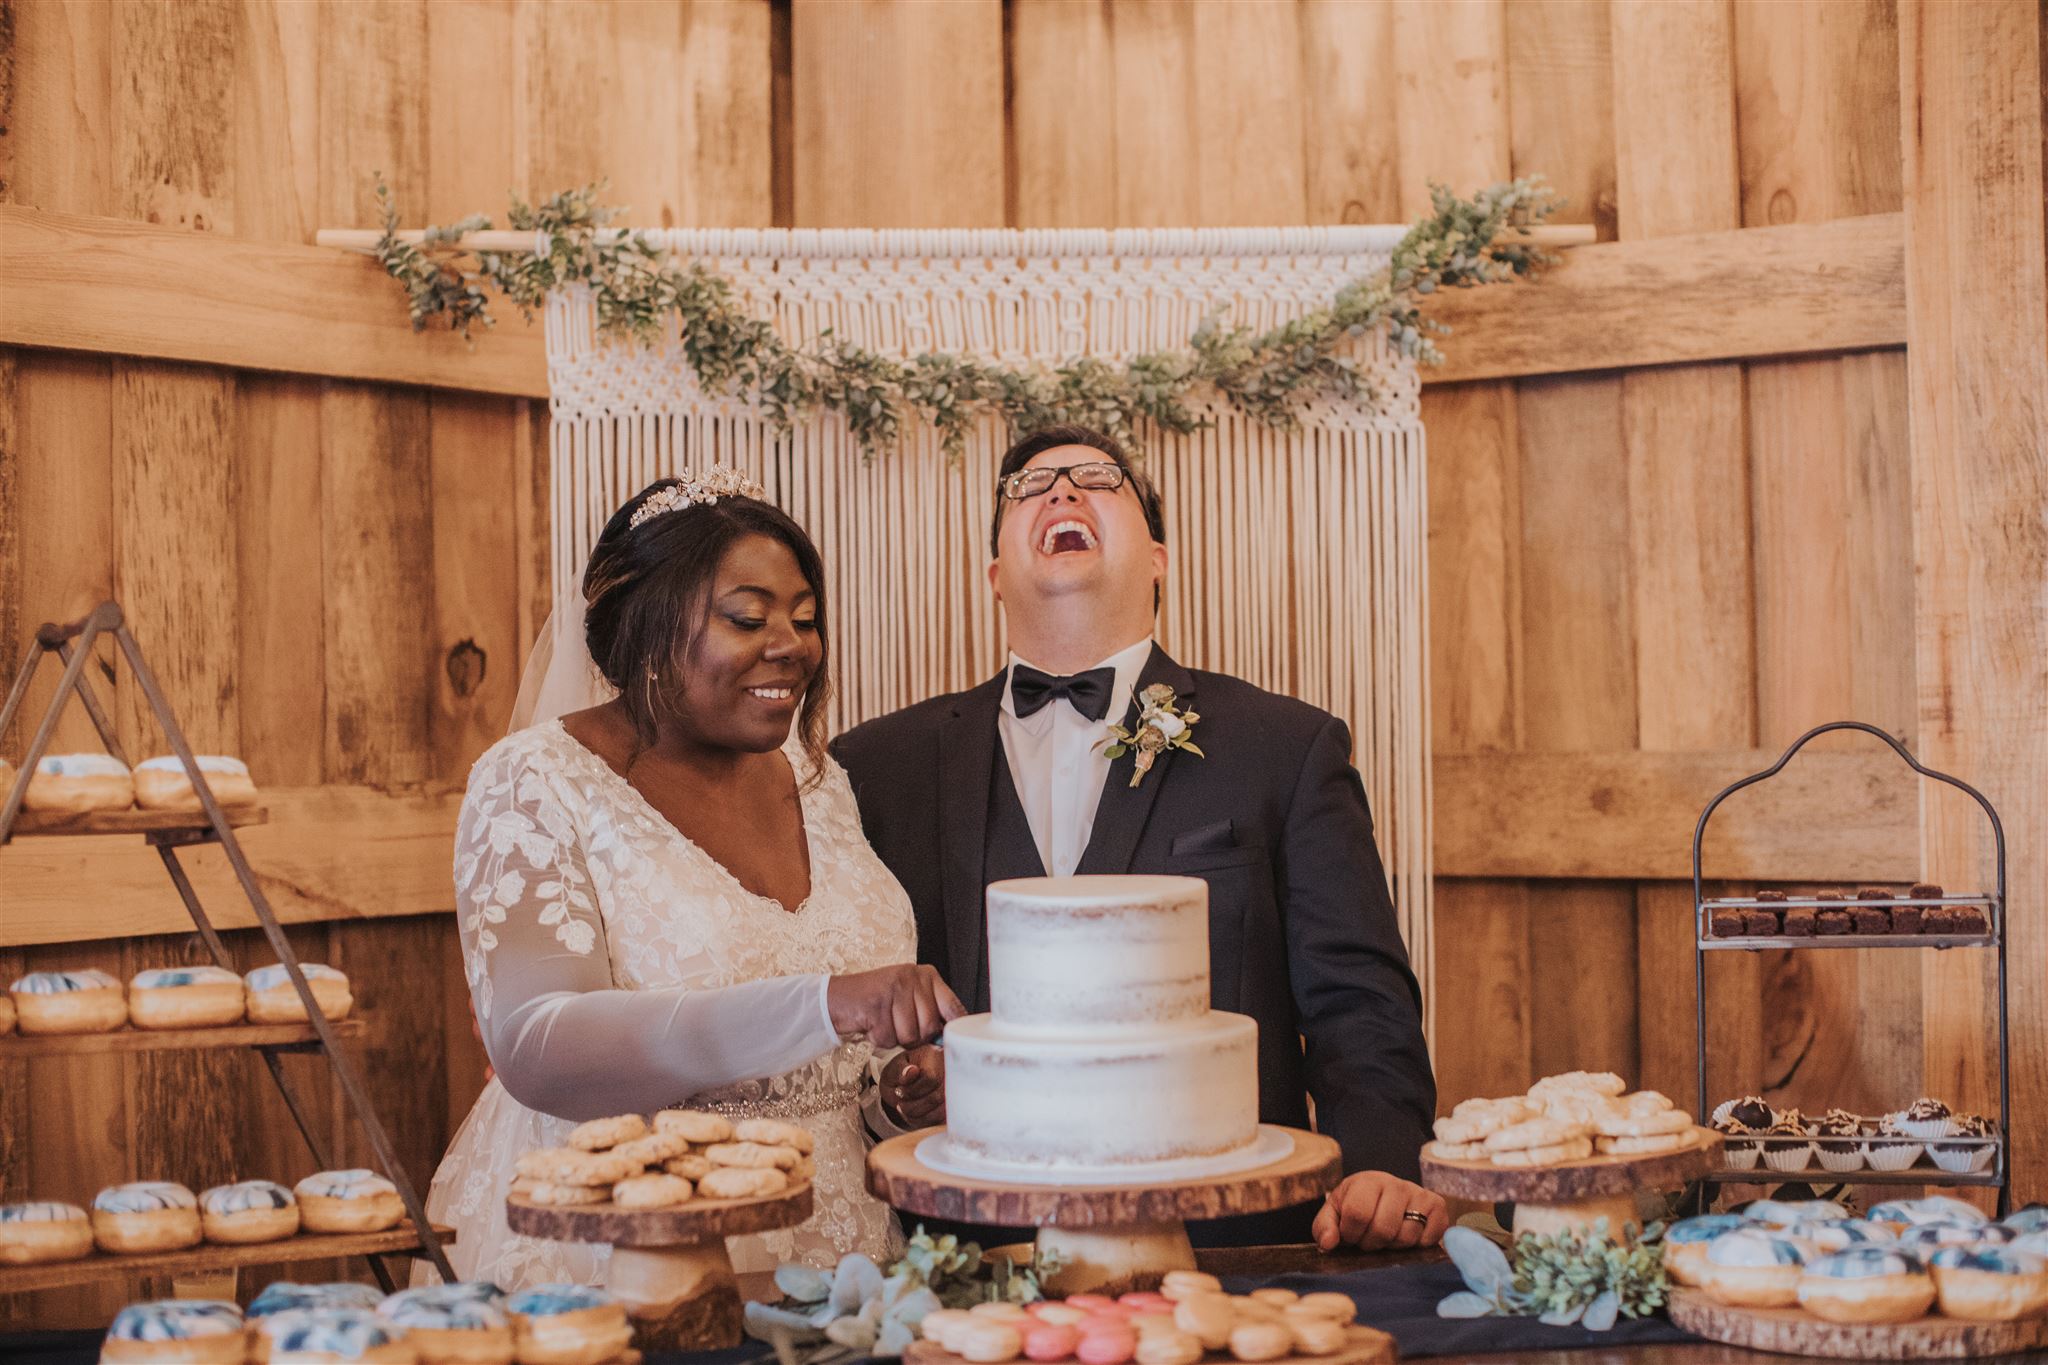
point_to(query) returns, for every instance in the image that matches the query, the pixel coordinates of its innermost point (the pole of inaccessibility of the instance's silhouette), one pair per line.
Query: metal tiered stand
(1993, 905)
(166, 832)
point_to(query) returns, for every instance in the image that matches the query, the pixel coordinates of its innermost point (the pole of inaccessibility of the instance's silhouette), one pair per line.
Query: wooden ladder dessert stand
(1574, 1194)
(669, 1267)
(166, 832)
(1111, 1239)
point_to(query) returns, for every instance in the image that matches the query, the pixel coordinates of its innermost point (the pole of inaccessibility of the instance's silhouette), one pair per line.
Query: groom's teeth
(1059, 528)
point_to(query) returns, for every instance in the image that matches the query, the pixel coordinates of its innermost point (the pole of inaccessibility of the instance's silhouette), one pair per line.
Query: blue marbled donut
(245, 1195)
(1704, 1228)
(346, 1333)
(551, 1300)
(1753, 1246)
(63, 983)
(1992, 1260)
(1933, 1209)
(1862, 1263)
(166, 978)
(1927, 1236)
(1841, 1234)
(2032, 1218)
(42, 1211)
(350, 1184)
(447, 1307)
(285, 1297)
(2030, 1243)
(175, 1320)
(273, 976)
(144, 1196)
(80, 765)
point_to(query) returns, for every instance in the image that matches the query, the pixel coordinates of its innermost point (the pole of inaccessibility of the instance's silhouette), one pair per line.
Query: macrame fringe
(1297, 558)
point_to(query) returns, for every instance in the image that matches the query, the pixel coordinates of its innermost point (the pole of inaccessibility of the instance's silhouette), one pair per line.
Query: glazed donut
(76, 783)
(185, 997)
(148, 1215)
(272, 999)
(348, 1201)
(87, 1001)
(43, 1231)
(567, 1324)
(324, 1336)
(451, 1324)
(282, 1296)
(1866, 1284)
(251, 1211)
(187, 1331)
(163, 784)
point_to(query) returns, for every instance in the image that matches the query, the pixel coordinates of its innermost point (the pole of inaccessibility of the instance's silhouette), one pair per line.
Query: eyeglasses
(1029, 483)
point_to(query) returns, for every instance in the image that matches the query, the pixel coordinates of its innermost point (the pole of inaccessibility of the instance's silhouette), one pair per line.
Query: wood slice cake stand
(1362, 1346)
(669, 1267)
(1111, 1239)
(1574, 1194)
(1795, 1332)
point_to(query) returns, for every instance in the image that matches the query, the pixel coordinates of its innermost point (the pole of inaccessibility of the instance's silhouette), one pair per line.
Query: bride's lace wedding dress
(617, 968)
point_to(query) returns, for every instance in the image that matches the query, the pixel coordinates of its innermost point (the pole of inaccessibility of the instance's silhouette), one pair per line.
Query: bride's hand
(892, 1006)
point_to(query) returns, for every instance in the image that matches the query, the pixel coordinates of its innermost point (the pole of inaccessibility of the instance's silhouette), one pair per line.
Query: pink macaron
(1107, 1347)
(1050, 1341)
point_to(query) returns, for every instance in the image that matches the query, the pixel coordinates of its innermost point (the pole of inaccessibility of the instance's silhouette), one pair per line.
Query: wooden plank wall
(338, 580)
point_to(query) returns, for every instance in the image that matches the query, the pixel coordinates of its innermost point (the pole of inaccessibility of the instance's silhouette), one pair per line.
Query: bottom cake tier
(1189, 1090)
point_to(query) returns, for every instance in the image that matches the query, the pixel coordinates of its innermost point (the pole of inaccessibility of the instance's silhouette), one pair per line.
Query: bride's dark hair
(647, 598)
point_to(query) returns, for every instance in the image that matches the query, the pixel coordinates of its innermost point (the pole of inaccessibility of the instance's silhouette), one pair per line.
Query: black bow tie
(1088, 693)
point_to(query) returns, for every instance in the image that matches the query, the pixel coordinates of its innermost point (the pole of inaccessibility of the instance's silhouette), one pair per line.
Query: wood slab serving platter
(1791, 1331)
(1575, 1180)
(1362, 1346)
(700, 1220)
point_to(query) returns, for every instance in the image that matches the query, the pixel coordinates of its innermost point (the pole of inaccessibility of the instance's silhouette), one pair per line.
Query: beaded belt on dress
(788, 1107)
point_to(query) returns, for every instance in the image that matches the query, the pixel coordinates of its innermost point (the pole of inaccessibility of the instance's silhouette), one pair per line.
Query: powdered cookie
(651, 1192)
(547, 1194)
(1598, 1082)
(752, 1155)
(1645, 1102)
(1455, 1151)
(1577, 1149)
(1620, 1123)
(653, 1149)
(1543, 1132)
(1644, 1146)
(566, 1166)
(773, 1133)
(690, 1166)
(599, 1134)
(1479, 1123)
(742, 1182)
(693, 1125)
(1328, 1304)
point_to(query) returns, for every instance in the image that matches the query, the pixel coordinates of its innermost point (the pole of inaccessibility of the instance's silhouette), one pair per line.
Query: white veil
(559, 676)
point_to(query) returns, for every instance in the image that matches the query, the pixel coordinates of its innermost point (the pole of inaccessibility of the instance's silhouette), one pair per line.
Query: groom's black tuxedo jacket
(1302, 933)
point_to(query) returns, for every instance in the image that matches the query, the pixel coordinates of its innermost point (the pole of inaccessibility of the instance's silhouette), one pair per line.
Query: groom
(1009, 779)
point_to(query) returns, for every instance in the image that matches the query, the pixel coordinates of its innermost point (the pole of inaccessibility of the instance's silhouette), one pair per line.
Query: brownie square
(1969, 919)
(1924, 891)
(1907, 919)
(1829, 922)
(1760, 923)
(1798, 922)
(1938, 919)
(1871, 920)
(1724, 921)
(1872, 893)
(1770, 895)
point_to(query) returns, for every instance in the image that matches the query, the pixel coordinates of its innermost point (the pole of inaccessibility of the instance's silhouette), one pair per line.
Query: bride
(665, 899)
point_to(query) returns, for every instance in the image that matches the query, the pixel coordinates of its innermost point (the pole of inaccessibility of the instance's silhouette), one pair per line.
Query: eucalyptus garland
(1268, 375)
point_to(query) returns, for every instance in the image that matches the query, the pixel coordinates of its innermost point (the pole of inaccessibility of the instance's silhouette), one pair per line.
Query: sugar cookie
(1643, 1146)
(752, 1154)
(602, 1134)
(773, 1133)
(1543, 1132)
(651, 1192)
(1621, 1123)
(694, 1126)
(742, 1182)
(549, 1195)
(690, 1166)
(567, 1166)
(653, 1149)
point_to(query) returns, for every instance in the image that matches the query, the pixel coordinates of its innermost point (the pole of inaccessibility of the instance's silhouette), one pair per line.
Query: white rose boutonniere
(1160, 729)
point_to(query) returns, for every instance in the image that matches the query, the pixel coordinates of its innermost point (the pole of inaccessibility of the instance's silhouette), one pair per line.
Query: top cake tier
(1078, 955)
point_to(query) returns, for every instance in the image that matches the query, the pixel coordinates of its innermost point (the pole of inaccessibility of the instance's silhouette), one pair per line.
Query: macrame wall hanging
(1297, 557)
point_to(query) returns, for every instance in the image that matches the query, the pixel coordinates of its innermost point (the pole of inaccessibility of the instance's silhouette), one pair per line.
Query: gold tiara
(690, 490)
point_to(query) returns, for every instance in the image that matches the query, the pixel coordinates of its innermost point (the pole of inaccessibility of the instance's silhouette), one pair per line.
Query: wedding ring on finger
(1415, 1216)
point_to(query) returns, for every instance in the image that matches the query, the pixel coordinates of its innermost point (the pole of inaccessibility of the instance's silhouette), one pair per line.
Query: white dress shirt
(1056, 759)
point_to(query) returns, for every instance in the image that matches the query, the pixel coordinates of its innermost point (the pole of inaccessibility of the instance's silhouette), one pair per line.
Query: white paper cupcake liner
(1791, 1157)
(1851, 1160)
(1892, 1158)
(1742, 1156)
(1725, 1108)
(1927, 1129)
(1963, 1161)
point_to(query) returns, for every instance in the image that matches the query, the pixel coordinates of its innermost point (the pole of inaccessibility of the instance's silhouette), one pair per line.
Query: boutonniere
(1160, 729)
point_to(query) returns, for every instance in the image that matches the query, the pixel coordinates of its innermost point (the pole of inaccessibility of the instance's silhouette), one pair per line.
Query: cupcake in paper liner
(1889, 1149)
(1837, 1140)
(1750, 1113)
(1926, 1118)
(1740, 1151)
(1965, 1158)
(1787, 1147)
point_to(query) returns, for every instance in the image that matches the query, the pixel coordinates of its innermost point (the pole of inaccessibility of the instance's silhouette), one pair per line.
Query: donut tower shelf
(167, 831)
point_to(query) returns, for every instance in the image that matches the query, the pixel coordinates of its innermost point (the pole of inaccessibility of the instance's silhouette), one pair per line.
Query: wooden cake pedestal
(669, 1266)
(1573, 1195)
(1796, 1332)
(1111, 1239)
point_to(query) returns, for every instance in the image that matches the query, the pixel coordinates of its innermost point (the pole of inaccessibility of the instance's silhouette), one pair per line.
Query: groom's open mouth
(1066, 536)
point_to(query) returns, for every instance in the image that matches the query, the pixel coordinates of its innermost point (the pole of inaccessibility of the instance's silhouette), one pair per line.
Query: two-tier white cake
(1101, 1053)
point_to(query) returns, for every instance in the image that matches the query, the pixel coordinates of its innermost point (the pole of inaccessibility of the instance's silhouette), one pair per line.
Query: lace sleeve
(563, 1038)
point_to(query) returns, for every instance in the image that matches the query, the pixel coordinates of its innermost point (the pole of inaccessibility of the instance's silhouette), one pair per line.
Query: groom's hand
(914, 1087)
(892, 1006)
(1368, 1210)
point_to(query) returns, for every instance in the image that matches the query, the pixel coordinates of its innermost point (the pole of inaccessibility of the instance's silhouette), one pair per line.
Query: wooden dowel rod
(499, 239)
